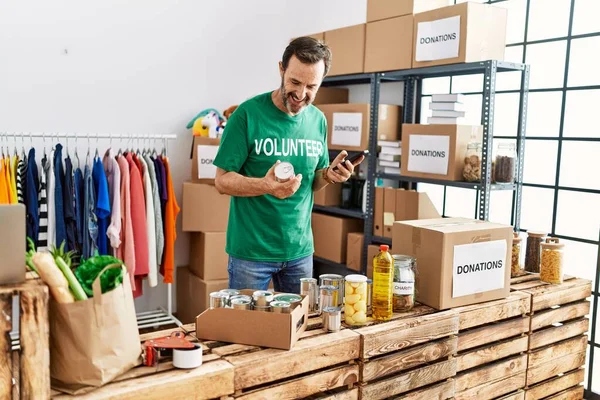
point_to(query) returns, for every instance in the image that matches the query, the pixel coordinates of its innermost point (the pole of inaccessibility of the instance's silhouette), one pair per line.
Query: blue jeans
(286, 276)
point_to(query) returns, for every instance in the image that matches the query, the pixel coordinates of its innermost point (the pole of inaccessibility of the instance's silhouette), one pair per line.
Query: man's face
(299, 84)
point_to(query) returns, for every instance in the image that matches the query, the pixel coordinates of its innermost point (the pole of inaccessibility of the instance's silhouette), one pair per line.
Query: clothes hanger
(87, 157)
(15, 140)
(77, 154)
(23, 145)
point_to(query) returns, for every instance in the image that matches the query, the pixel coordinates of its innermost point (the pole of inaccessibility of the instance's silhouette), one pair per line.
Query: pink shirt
(113, 175)
(125, 251)
(138, 222)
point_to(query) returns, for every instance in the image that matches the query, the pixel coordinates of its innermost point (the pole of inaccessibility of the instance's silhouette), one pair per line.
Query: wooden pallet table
(492, 347)
(558, 340)
(213, 379)
(25, 373)
(409, 357)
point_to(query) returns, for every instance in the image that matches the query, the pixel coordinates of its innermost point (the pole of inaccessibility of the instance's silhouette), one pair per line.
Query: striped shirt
(21, 179)
(43, 202)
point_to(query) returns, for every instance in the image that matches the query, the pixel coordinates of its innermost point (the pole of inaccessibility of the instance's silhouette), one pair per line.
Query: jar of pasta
(515, 266)
(551, 266)
(355, 289)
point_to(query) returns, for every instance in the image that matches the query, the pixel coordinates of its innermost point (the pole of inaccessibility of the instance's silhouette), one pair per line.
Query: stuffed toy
(227, 113)
(207, 123)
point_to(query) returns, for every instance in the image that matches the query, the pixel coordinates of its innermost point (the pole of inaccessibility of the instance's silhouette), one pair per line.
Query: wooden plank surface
(16, 373)
(214, 379)
(400, 334)
(526, 277)
(489, 373)
(307, 355)
(492, 390)
(441, 391)
(519, 395)
(490, 353)
(188, 328)
(561, 349)
(5, 345)
(555, 385)
(35, 341)
(555, 334)
(409, 381)
(547, 296)
(575, 393)
(555, 367)
(308, 385)
(406, 359)
(492, 333)
(351, 394)
(517, 303)
(564, 313)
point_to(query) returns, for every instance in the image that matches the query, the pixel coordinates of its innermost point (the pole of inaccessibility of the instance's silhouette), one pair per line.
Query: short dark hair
(309, 51)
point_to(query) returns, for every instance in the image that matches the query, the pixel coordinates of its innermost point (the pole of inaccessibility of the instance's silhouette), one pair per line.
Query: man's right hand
(281, 190)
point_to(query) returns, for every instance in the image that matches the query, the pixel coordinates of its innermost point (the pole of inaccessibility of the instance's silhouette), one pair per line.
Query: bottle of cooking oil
(383, 284)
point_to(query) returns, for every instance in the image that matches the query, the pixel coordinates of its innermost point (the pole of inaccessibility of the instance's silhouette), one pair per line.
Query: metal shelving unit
(413, 79)
(344, 212)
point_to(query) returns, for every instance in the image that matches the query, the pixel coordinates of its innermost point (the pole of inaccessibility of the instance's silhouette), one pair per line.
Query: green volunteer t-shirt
(265, 228)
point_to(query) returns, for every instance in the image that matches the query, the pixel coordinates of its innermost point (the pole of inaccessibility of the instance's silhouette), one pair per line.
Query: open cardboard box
(256, 328)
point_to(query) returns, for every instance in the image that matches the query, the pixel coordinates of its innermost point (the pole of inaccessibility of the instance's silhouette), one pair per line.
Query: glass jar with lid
(515, 266)
(506, 163)
(472, 165)
(355, 311)
(551, 263)
(404, 283)
(532, 251)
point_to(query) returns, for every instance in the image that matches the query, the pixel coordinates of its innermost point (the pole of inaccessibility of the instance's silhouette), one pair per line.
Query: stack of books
(447, 109)
(389, 156)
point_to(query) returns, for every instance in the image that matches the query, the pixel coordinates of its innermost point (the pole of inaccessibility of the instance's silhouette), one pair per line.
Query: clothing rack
(147, 319)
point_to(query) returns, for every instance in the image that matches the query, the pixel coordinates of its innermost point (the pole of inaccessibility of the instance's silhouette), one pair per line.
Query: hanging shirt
(51, 203)
(31, 198)
(90, 222)
(158, 229)
(102, 205)
(13, 179)
(126, 250)
(59, 211)
(159, 187)
(43, 203)
(78, 194)
(171, 211)
(163, 201)
(150, 225)
(21, 179)
(69, 206)
(113, 177)
(140, 229)
(4, 197)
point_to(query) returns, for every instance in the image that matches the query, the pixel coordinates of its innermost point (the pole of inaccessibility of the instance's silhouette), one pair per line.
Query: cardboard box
(319, 36)
(348, 48)
(193, 294)
(355, 251)
(466, 32)
(436, 151)
(255, 328)
(460, 261)
(330, 235)
(389, 44)
(384, 9)
(208, 259)
(389, 211)
(331, 95)
(348, 125)
(411, 204)
(378, 212)
(330, 195)
(204, 209)
(204, 151)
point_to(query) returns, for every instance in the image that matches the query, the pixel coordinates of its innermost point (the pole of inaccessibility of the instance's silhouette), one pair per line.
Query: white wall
(146, 66)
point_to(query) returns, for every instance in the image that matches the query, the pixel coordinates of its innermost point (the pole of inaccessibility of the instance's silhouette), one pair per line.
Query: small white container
(284, 171)
(188, 358)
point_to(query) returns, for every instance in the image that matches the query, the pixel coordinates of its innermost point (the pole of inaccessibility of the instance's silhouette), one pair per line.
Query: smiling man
(269, 233)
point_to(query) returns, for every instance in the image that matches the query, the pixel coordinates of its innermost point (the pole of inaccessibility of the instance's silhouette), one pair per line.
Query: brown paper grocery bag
(94, 340)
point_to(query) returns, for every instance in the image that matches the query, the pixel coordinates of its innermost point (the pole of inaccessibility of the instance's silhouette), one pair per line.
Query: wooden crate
(213, 379)
(492, 345)
(319, 363)
(25, 372)
(410, 356)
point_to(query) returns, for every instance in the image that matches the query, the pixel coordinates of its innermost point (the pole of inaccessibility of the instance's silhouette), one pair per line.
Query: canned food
(293, 299)
(262, 298)
(218, 300)
(332, 319)
(262, 308)
(328, 297)
(241, 304)
(241, 296)
(230, 292)
(308, 287)
(280, 307)
(284, 171)
(338, 282)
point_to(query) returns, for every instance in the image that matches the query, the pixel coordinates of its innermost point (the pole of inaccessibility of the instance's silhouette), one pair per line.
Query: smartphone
(355, 158)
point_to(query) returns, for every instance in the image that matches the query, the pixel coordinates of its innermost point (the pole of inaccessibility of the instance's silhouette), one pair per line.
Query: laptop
(12, 244)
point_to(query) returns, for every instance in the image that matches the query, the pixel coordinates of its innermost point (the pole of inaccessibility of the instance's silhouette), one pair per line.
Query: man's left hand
(344, 169)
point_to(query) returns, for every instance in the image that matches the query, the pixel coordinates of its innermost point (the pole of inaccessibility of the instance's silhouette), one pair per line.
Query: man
(269, 233)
